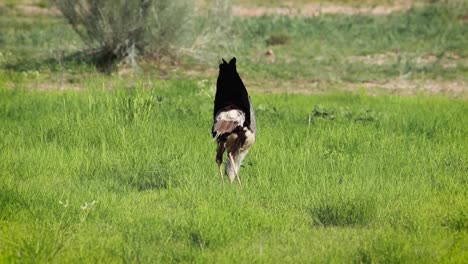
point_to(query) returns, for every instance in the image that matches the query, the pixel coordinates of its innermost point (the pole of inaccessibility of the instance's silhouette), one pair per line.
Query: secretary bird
(234, 127)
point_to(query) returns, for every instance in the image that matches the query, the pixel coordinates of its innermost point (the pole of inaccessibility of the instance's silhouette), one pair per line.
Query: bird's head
(228, 68)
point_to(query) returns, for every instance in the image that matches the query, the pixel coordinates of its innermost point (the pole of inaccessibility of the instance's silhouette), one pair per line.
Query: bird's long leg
(220, 172)
(235, 169)
(219, 159)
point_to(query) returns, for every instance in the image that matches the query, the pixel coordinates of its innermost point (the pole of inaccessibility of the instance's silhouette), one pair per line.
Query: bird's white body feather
(231, 115)
(226, 121)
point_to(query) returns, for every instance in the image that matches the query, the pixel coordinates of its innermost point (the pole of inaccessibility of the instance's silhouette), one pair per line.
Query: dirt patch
(453, 89)
(448, 60)
(407, 87)
(32, 10)
(375, 59)
(287, 9)
(45, 86)
(316, 9)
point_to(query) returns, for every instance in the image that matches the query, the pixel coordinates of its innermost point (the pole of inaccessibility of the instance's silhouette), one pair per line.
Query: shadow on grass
(456, 220)
(342, 211)
(102, 61)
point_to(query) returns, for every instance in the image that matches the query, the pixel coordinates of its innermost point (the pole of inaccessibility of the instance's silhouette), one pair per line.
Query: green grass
(366, 180)
(122, 169)
(321, 48)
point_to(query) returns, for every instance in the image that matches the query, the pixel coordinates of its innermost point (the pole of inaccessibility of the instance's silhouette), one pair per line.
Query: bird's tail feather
(224, 126)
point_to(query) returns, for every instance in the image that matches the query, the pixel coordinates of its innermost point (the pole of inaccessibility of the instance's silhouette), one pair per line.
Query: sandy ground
(289, 8)
(315, 9)
(452, 89)
(448, 60)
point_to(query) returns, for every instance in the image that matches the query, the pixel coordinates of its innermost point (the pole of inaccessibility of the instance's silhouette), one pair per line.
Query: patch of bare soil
(316, 9)
(33, 10)
(46, 86)
(449, 60)
(452, 89)
(455, 89)
(375, 59)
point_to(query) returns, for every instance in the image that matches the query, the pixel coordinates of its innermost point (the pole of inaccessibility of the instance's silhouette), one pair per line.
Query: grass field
(367, 180)
(121, 168)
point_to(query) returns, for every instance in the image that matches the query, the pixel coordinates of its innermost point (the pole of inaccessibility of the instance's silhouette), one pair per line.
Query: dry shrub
(117, 30)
